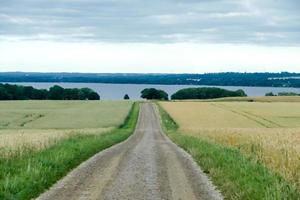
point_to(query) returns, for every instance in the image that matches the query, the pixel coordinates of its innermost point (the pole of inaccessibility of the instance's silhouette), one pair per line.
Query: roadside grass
(235, 175)
(277, 149)
(26, 176)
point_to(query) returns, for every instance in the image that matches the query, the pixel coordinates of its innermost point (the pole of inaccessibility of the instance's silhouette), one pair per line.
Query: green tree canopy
(56, 93)
(270, 94)
(206, 93)
(93, 96)
(18, 92)
(152, 93)
(126, 97)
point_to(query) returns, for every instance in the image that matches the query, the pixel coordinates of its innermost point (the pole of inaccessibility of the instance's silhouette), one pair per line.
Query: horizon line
(153, 73)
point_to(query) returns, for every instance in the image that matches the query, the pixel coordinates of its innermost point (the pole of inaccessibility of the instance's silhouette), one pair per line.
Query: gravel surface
(146, 166)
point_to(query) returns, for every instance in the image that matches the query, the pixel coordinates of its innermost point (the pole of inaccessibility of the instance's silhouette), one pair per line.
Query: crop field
(62, 114)
(269, 132)
(15, 142)
(28, 125)
(257, 99)
(40, 141)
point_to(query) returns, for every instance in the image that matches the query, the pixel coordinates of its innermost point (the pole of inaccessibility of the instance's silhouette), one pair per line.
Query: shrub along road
(146, 166)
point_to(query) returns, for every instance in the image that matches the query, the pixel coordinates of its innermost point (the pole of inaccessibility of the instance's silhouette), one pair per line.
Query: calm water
(117, 91)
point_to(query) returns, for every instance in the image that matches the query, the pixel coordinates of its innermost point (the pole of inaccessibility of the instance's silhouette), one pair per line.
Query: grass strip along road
(27, 176)
(237, 176)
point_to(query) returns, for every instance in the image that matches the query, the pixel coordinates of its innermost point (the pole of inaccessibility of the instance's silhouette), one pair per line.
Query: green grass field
(35, 152)
(251, 150)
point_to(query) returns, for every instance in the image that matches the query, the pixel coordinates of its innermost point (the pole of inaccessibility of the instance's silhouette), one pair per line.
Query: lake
(117, 91)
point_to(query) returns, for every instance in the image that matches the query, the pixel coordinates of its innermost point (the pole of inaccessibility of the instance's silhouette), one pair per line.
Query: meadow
(40, 141)
(267, 133)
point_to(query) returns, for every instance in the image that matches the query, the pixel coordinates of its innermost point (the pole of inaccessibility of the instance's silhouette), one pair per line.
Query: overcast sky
(177, 36)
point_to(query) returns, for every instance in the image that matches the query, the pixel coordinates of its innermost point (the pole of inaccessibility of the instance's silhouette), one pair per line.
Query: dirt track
(146, 166)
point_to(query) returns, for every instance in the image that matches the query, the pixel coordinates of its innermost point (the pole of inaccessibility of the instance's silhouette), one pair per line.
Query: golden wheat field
(35, 125)
(257, 99)
(17, 141)
(267, 131)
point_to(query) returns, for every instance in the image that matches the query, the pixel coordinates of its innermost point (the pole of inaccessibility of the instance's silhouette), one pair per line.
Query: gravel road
(146, 166)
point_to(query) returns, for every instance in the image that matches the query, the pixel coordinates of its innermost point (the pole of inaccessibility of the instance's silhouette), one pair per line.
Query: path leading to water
(146, 166)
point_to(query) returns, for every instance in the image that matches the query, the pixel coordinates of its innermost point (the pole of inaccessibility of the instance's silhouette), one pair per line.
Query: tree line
(191, 93)
(283, 79)
(206, 93)
(19, 92)
(283, 94)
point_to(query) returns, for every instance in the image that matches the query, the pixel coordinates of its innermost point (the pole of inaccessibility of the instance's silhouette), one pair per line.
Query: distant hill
(283, 79)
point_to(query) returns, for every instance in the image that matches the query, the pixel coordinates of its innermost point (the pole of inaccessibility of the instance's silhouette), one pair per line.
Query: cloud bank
(192, 36)
(268, 22)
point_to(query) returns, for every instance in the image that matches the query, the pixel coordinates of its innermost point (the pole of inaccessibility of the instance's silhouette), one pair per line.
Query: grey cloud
(268, 22)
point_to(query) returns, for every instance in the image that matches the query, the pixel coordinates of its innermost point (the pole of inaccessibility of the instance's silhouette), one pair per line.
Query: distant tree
(40, 94)
(4, 95)
(206, 93)
(152, 93)
(28, 92)
(56, 93)
(126, 97)
(93, 96)
(16, 92)
(270, 94)
(240, 93)
(88, 94)
(82, 95)
(85, 92)
(288, 94)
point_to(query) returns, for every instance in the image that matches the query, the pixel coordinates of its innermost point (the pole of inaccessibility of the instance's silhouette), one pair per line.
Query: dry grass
(268, 132)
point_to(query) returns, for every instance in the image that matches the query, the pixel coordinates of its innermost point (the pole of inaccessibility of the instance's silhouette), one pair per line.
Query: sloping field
(269, 132)
(39, 124)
